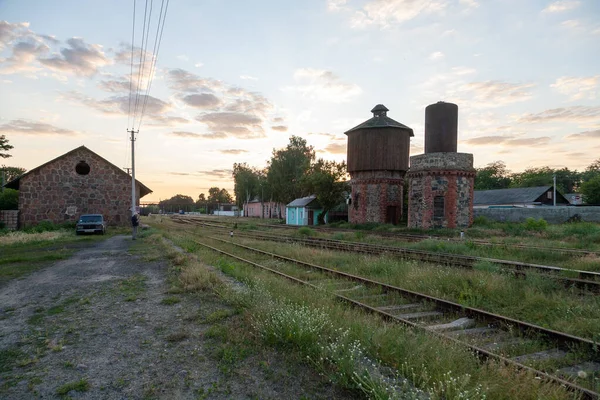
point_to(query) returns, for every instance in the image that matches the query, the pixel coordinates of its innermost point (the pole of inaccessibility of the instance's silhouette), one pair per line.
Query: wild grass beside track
(334, 338)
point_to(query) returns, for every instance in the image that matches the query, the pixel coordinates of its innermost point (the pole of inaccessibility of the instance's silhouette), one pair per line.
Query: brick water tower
(441, 181)
(378, 154)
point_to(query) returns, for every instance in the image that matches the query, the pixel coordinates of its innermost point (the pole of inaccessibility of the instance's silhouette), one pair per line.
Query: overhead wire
(155, 51)
(143, 49)
(131, 69)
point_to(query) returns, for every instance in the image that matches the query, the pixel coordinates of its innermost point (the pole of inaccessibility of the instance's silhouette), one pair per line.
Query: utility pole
(554, 187)
(133, 133)
(2, 187)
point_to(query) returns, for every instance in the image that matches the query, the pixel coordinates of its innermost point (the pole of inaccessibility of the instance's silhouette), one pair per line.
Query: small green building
(304, 211)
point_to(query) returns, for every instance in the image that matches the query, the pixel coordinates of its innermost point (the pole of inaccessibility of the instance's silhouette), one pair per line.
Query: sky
(232, 80)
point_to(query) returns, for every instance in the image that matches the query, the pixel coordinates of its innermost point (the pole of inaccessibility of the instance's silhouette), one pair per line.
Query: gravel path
(103, 322)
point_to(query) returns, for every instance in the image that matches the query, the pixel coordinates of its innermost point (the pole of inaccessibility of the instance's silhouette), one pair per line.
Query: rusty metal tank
(441, 128)
(379, 144)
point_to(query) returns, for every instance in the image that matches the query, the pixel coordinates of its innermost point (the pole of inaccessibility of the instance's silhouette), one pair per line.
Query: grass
(169, 301)
(81, 385)
(132, 287)
(9, 358)
(335, 338)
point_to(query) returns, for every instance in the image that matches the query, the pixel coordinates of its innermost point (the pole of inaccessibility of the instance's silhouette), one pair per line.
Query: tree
(245, 181)
(217, 195)
(9, 199)
(327, 180)
(566, 180)
(493, 176)
(4, 146)
(11, 173)
(591, 190)
(287, 167)
(591, 171)
(177, 202)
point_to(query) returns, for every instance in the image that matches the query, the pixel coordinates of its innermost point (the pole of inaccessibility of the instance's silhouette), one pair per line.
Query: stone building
(378, 154)
(441, 181)
(78, 182)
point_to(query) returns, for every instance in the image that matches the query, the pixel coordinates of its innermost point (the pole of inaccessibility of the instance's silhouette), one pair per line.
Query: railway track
(489, 335)
(409, 237)
(587, 280)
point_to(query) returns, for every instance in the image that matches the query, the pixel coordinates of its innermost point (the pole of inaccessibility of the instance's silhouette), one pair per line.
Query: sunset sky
(234, 79)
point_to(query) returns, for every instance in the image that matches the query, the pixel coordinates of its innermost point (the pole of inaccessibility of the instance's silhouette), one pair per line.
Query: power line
(155, 52)
(142, 57)
(131, 70)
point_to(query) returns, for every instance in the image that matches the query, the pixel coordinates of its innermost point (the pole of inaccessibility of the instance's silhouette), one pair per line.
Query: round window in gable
(82, 168)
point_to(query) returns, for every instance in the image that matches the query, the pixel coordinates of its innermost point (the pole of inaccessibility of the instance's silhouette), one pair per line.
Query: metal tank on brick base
(378, 154)
(441, 181)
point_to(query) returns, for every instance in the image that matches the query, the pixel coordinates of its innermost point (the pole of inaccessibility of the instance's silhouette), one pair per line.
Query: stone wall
(553, 215)
(374, 195)
(10, 219)
(450, 175)
(57, 193)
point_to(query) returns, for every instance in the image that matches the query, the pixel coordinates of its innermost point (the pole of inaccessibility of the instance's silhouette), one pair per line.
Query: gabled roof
(14, 184)
(381, 120)
(511, 196)
(305, 201)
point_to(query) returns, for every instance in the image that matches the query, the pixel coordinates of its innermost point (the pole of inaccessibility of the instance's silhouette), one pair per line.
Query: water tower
(378, 155)
(441, 181)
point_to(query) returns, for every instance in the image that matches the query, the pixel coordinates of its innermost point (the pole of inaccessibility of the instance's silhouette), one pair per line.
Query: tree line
(204, 204)
(291, 173)
(497, 176)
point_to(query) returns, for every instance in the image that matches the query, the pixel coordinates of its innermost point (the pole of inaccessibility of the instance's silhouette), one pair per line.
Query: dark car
(91, 223)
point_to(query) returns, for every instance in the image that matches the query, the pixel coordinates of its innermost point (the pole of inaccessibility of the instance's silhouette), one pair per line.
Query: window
(438, 207)
(82, 168)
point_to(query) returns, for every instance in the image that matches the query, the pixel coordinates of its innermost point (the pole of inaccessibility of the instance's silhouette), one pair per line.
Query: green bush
(9, 199)
(305, 231)
(539, 225)
(481, 221)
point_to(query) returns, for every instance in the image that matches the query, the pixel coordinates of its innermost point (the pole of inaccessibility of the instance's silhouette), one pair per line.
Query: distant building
(575, 199)
(518, 197)
(266, 209)
(78, 182)
(304, 211)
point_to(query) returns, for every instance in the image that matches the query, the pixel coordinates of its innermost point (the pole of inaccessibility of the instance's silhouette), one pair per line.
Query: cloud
(242, 126)
(9, 32)
(497, 93)
(280, 128)
(278, 119)
(384, 13)
(192, 135)
(560, 6)
(327, 135)
(79, 58)
(217, 173)
(577, 88)
(509, 141)
(248, 77)
(338, 147)
(117, 86)
(233, 151)
(154, 111)
(24, 127)
(469, 4)
(436, 55)
(571, 23)
(184, 81)
(204, 100)
(575, 114)
(199, 65)
(319, 84)
(585, 135)
(24, 54)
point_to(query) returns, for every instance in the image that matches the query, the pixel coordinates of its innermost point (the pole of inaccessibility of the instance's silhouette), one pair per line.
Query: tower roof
(380, 120)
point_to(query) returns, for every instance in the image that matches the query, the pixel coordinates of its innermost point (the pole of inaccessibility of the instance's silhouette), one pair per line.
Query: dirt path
(103, 325)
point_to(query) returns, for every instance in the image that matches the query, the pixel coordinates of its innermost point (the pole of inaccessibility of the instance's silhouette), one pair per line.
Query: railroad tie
(420, 315)
(540, 356)
(461, 323)
(483, 332)
(399, 307)
(582, 370)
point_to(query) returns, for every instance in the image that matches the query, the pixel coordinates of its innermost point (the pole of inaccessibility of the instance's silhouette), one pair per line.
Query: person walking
(135, 221)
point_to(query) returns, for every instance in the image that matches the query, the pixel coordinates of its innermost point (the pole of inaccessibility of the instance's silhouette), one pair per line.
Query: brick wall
(56, 192)
(373, 194)
(450, 175)
(10, 218)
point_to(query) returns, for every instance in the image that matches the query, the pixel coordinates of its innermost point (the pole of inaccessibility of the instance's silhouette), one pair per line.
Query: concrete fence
(553, 215)
(10, 218)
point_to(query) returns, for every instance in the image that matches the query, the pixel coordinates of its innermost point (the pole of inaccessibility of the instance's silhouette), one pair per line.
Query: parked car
(91, 223)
